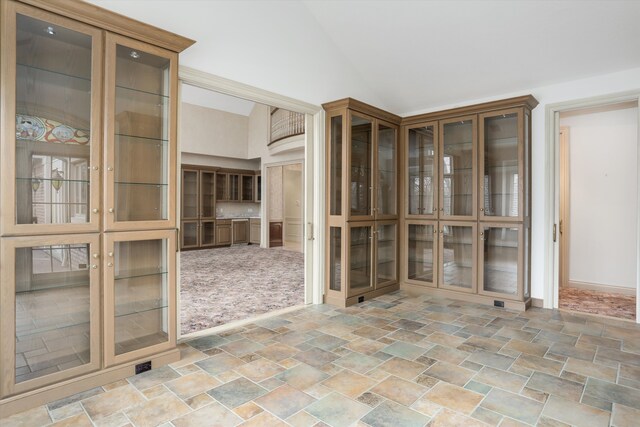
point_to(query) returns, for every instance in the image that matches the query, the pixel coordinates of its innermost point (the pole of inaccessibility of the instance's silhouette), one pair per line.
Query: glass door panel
(500, 256)
(387, 181)
(386, 254)
(56, 144)
(501, 167)
(258, 188)
(335, 259)
(247, 188)
(189, 193)
(457, 257)
(421, 253)
(457, 168)
(207, 194)
(335, 166)
(360, 189)
(421, 170)
(221, 186)
(190, 234)
(207, 233)
(234, 187)
(140, 283)
(360, 258)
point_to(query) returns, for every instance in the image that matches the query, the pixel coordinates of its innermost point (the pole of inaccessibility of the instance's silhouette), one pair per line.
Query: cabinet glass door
(387, 179)
(189, 193)
(54, 148)
(207, 233)
(361, 155)
(360, 259)
(234, 187)
(50, 310)
(207, 194)
(386, 254)
(421, 253)
(247, 188)
(139, 294)
(335, 165)
(499, 259)
(190, 234)
(258, 184)
(422, 170)
(458, 168)
(140, 129)
(457, 256)
(500, 154)
(221, 186)
(335, 259)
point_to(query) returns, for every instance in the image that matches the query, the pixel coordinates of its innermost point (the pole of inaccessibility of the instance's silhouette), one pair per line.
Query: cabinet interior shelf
(125, 310)
(141, 183)
(148, 138)
(47, 71)
(82, 181)
(126, 88)
(54, 288)
(32, 333)
(133, 275)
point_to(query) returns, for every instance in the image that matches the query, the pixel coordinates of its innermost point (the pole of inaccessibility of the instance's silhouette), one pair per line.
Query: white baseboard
(601, 288)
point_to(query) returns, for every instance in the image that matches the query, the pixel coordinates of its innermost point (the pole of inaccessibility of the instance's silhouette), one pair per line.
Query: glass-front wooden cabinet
(198, 207)
(139, 282)
(222, 187)
(363, 202)
(247, 188)
(421, 252)
(52, 77)
(207, 194)
(190, 192)
(421, 160)
(190, 236)
(457, 256)
(500, 254)
(141, 127)
(50, 313)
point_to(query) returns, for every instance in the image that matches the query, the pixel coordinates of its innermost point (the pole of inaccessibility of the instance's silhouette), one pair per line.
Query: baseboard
(463, 296)
(601, 288)
(537, 302)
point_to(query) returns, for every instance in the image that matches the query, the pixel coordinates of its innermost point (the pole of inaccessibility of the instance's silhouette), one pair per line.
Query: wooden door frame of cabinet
(8, 75)
(7, 314)
(347, 258)
(376, 171)
(519, 111)
(200, 241)
(182, 233)
(347, 164)
(374, 274)
(474, 172)
(474, 254)
(182, 182)
(201, 215)
(436, 175)
(111, 41)
(520, 278)
(404, 252)
(110, 239)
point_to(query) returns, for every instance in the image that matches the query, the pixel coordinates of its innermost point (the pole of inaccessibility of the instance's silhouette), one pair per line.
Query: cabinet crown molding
(102, 18)
(362, 107)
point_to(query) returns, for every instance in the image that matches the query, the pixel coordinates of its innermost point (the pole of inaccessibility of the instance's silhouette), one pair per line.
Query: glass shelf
(122, 135)
(134, 275)
(35, 332)
(47, 71)
(129, 309)
(141, 91)
(55, 288)
(142, 183)
(82, 181)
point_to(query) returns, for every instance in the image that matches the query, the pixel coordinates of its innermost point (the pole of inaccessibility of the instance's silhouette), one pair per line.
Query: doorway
(285, 195)
(593, 194)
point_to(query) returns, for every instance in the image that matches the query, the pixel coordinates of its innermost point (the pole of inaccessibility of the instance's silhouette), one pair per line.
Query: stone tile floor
(394, 361)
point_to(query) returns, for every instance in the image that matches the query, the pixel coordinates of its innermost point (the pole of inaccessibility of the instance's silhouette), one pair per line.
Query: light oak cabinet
(255, 225)
(87, 219)
(362, 194)
(467, 190)
(198, 207)
(223, 232)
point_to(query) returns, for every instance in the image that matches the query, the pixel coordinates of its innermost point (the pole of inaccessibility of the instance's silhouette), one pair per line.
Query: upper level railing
(285, 123)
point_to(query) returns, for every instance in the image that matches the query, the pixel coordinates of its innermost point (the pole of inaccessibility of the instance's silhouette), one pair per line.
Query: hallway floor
(594, 302)
(392, 361)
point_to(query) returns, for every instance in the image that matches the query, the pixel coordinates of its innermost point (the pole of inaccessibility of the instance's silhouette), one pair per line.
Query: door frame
(313, 165)
(264, 236)
(552, 189)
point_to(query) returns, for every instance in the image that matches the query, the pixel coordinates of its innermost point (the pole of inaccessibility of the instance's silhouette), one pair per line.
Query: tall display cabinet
(362, 198)
(87, 220)
(467, 214)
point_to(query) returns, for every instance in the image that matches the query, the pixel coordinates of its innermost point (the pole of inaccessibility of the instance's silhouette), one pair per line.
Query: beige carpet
(594, 302)
(225, 284)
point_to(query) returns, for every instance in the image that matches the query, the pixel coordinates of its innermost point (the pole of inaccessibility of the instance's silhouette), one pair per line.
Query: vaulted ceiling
(403, 56)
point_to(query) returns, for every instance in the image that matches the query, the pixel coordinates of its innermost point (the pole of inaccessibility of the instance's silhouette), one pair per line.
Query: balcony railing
(285, 123)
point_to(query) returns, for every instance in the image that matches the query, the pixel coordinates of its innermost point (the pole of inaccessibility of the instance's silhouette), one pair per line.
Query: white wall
(213, 132)
(577, 89)
(603, 178)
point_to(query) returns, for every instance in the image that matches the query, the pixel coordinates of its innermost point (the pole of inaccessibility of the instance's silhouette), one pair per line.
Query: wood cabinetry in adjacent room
(255, 230)
(198, 208)
(223, 232)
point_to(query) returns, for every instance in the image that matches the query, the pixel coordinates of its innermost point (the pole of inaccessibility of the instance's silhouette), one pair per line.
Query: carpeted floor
(594, 302)
(225, 284)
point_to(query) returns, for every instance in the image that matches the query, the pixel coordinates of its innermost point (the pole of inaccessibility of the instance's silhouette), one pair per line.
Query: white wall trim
(313, 161)
(552, 187)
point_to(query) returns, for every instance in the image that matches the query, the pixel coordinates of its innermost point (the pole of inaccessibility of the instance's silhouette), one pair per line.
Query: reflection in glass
(500, 246)
(141, 136)
(221, 186)
(335, 192)
(234, 187)
(360, 258)
(387, 173)
(361, 157)
(335, 258)
(501, 180)
(53, 123)
(420, 254)
(207, 194)
(457, 256)
(387, 270)
(190, 233)
(207, 233)
(189, 194)
(421, 168)
(247, 188)
(141, 294)
(52, 303)
(457, 168)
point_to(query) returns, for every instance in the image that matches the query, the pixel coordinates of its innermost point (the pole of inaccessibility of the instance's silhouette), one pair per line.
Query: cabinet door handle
(110, 210)
(95, 210)
(96, 256)
(94, 266)
(109, 264)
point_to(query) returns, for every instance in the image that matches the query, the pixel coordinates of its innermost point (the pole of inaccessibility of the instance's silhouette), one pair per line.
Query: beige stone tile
(476, 343)
(426, 406)
(188, 355)
(624, 416)
(527, 347)
(302, 419)
(498, 378)
(66, 411)
(365, 346)
(447, 354)
(260, 370)
(445, 339)
(198, 401)
(115, 384)
(399, 390)
(575, 413)
(155, 391)
(248, 410)
(118, 419)
(192, 384)
(450, 373)
(454, 397)
(80, 420)
(277, 352)
(157, 411)
(206, 416)
(264, 419)
(113, 401)
(535, 363)
(448, 418)
(288, 363)
(402, 368)
(349, 383)
(589, 369)
(486, 416)
(555, 386)
(188, 369)
(35, 417)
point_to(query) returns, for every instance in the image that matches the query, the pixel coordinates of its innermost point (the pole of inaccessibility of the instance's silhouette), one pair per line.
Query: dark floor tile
(555, 386)
(567, 350)
(237, 392)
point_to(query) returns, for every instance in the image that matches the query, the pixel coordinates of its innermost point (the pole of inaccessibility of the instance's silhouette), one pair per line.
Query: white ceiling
(400, 55)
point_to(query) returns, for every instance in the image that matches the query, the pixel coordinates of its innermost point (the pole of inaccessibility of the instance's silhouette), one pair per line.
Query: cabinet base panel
(480, 299)
(340, 302)
(31, 399)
